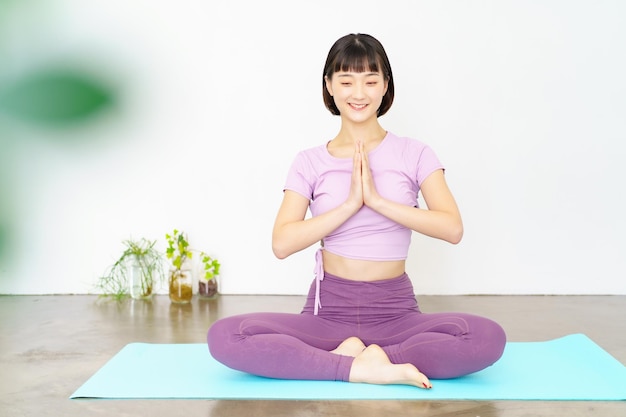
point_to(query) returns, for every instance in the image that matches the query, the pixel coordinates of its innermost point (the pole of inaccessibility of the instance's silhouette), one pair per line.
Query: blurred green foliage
(3, 238)
(46, 96)
(55, 97)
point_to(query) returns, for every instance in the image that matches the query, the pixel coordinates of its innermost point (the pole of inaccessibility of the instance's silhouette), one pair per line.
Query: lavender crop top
(398, 165)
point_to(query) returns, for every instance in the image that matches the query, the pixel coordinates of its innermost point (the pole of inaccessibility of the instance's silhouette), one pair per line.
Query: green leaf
(56, 97)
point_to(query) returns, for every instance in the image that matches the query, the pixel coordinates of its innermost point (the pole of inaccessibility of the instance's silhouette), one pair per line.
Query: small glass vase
(180, 285)
(140, 278)
(208, 288)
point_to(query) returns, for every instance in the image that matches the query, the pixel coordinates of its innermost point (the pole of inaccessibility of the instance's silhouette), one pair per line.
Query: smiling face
(357, 77)
(357, 95)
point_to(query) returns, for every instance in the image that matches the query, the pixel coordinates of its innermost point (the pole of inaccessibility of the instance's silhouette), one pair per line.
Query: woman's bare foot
(352, 346)
(372, 366)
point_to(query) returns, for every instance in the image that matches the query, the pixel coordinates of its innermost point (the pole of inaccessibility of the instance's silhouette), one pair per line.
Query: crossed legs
(403, 350)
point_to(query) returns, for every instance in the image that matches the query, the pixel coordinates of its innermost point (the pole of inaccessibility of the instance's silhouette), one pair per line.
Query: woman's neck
(349, 135)
(343, 145)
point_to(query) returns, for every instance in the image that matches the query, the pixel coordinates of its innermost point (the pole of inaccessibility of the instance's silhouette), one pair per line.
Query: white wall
(524, 101)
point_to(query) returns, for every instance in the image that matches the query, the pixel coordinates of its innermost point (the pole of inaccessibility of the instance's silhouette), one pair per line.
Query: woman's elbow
(281, 251)
(456, 234)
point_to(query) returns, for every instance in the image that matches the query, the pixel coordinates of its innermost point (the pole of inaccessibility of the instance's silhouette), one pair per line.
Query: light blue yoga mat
(569, 368)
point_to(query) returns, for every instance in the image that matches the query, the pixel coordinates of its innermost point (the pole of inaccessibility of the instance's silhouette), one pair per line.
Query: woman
(361, 321)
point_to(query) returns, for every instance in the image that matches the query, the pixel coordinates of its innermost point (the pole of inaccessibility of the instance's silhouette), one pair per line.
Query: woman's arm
(442, 219)
(292, 232)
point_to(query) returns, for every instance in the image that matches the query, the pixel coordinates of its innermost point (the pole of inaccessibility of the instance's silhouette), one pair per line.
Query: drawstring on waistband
(319, 277)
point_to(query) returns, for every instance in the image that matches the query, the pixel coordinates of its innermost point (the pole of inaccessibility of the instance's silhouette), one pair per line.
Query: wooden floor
(50, 345)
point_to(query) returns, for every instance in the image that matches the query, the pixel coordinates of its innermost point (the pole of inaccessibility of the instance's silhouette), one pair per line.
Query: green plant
(135, 273)
(211, 267)
(177, 249)
(207, 285)
(179, 252)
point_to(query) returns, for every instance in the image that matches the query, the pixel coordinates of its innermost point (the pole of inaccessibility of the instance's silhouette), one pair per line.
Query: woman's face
(357, 95)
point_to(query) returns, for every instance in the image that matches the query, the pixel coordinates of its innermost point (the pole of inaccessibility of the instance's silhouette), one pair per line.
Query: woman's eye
(345, 84)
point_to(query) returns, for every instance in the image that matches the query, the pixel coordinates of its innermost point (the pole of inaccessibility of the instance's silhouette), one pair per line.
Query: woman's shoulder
(314, 150)
(311, 156)
(408, 141)
(405, 143)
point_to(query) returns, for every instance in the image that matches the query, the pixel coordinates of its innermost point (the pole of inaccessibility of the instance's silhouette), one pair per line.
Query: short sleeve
(427, 164)
(299, 176)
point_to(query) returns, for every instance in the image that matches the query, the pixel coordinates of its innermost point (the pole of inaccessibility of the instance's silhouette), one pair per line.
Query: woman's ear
(329, 87)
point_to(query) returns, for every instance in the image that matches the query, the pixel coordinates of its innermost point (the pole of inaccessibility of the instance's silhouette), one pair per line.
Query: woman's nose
(358, 91)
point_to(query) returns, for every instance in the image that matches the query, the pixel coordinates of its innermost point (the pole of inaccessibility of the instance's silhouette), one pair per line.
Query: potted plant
(207, 284)
(136, 273)
(181, 276)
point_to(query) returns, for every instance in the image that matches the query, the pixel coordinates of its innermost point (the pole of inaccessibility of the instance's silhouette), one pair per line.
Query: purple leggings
(297, 346)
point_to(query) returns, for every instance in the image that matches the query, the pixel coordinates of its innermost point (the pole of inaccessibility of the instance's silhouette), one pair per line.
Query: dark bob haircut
(358, 52)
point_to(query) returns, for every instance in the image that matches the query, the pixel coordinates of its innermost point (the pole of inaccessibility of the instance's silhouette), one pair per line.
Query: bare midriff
(362, 270)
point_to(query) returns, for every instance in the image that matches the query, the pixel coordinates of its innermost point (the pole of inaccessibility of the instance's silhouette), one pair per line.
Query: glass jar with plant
(207, 284)
(180, 278)
(137, 272)
(181, 271)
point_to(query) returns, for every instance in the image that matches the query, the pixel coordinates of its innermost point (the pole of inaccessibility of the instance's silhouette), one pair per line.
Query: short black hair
(358, 52)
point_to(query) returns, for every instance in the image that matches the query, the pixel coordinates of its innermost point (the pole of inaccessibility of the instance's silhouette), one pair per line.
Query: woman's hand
(440, 220)
(355, 197)
(362, 187)
(370, 195)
